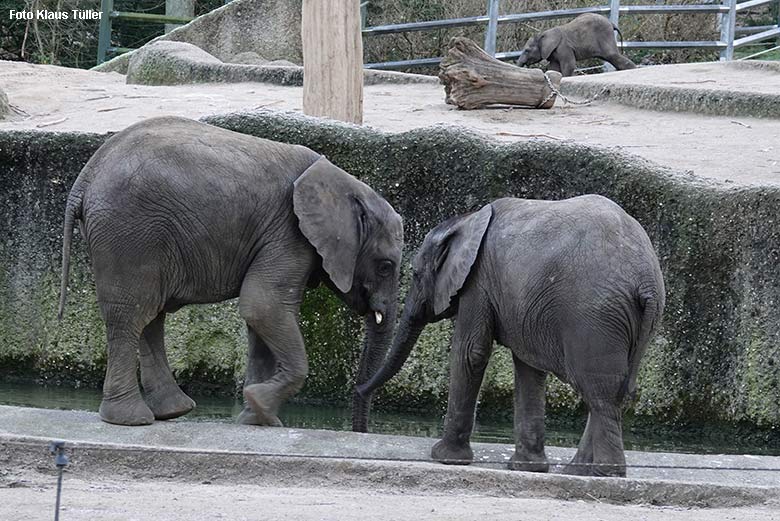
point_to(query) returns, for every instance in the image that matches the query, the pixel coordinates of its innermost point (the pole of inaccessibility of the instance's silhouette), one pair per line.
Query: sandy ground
(736, 150)
(31, 496)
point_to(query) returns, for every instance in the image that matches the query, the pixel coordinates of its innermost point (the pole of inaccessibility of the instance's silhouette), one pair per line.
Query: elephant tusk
(378, 317)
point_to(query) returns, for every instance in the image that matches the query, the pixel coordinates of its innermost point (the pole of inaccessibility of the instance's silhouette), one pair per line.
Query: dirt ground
(31, 497)
(736, 150)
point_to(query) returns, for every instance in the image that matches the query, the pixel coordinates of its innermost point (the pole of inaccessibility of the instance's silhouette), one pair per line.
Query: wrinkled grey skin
(178, 212)
(587, 36)
(572, 287)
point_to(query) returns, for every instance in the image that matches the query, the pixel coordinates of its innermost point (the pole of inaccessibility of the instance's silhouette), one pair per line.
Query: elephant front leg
(271, 312)
(161, 392)
(529, 419)
(261, 366)
(471, 347)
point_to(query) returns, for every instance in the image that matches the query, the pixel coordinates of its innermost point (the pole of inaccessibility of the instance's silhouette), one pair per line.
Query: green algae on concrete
(716, 358)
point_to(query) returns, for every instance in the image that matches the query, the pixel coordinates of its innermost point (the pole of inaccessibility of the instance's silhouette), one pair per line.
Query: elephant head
(359, 237)
(540, 47)
(441, 267)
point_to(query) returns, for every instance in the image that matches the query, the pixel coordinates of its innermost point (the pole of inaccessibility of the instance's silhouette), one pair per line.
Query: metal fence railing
(726, 10)
(108, 14)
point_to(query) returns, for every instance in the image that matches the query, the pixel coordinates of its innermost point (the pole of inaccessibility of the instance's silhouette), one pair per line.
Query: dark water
(561, 431)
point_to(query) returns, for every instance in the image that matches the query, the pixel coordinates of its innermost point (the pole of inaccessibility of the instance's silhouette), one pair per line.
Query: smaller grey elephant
(587, 36)
(571, 287)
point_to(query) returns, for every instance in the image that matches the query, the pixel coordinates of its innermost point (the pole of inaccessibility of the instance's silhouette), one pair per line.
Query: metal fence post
(727, 23)
(104, 36)
(363, 14)
(778, 20)
(492, 27)
(614, 12)
(614, 17)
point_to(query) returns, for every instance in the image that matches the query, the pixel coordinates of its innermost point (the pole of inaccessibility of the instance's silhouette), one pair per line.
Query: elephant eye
(385, 268)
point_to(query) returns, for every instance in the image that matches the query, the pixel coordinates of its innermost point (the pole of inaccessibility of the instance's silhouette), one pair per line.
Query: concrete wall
(717, 357)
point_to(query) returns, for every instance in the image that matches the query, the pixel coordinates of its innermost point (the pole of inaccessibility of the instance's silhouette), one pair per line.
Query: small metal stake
(61, 460)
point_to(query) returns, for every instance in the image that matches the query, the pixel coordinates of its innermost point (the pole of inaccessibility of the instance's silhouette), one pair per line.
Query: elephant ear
(331, 215)
(549, 41)
(456, 252)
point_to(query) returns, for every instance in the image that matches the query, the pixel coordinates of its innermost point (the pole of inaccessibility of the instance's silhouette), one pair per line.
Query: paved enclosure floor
(198, 470)
(735, 150)
(32, 499)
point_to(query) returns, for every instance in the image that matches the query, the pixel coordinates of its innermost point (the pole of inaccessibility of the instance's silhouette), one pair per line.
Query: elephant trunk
(406, 337)
(376, 342)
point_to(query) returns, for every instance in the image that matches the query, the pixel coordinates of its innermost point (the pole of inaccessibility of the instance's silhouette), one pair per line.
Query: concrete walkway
(194, 451)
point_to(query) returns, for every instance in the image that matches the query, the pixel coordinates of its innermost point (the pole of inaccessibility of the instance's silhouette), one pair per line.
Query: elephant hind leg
(600, 452)
(122, 402)
(529, 419)
(620, 62)
(161, 392)
(580, 464)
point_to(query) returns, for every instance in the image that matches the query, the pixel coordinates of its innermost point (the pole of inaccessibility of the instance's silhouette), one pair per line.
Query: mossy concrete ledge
(174, 63)
(717, 356)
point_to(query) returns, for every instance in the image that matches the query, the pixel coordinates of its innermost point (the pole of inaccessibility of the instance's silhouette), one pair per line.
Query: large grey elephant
(587, 36)
(178, 212)
(572, 287)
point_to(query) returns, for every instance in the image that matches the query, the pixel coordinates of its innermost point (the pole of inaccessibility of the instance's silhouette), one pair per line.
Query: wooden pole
(332, 60)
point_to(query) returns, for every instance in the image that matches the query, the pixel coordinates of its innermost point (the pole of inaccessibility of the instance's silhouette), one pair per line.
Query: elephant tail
(652, 307)
(73, 211)
(615, 27)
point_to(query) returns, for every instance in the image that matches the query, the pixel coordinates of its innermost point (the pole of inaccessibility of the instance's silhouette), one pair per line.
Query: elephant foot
(450, 454)
(169, 402)
(603, 471)
(128, 409)
(528, 462)
(261, 401)
(248, 417)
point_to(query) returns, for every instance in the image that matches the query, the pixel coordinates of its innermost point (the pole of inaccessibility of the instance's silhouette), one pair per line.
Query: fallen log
(473, 79)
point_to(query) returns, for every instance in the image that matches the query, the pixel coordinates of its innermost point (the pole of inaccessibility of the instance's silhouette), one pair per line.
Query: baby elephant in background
(571, 287)
(587, 36)
(177, 212)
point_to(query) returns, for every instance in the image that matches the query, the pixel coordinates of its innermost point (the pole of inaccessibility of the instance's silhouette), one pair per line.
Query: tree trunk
(473, 79)
(332, 60)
